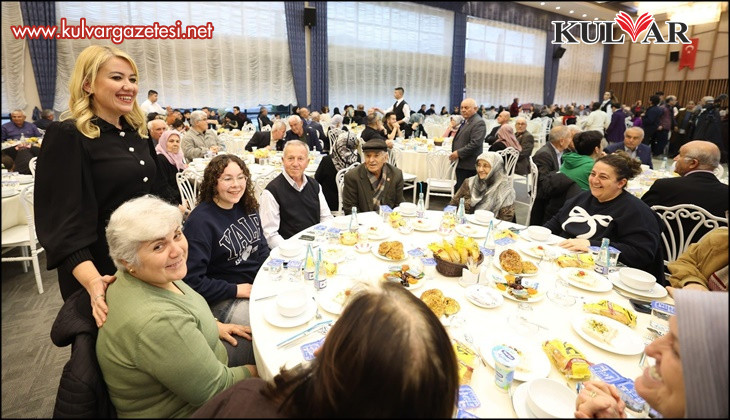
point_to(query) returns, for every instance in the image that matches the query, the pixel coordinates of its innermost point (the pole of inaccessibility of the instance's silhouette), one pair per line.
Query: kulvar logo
(592, 32)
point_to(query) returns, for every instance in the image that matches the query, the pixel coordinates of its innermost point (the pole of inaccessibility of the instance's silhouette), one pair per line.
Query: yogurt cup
(506, 360)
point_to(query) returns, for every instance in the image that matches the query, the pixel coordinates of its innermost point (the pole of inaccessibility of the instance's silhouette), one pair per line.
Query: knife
(304, 333)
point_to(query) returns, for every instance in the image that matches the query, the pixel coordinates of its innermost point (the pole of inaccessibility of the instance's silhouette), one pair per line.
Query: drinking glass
(521, 320)
(559, 293)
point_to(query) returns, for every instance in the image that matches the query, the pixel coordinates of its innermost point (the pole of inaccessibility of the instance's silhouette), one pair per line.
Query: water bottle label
(321, 283)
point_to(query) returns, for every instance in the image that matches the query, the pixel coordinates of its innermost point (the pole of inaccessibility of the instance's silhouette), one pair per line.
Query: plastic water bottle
(664, 163)
(309, 264)
(460, 217)
(604, 257)
(421, 210)
(22, 138)
(353, 220)
(489, 245)
(320, 272)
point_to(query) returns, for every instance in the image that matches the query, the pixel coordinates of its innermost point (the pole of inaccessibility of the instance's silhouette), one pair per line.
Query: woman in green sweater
(160, 349)
(577, 166)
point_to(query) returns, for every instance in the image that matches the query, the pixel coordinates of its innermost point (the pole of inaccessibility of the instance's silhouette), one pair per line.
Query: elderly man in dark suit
(273, 139)
(374, 183)
(527, 141)
(633, 145)
(468, 142)
(548, 159)
(697, 185)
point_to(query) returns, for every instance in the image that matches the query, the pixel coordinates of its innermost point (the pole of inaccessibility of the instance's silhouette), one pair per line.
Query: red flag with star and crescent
(689, 53)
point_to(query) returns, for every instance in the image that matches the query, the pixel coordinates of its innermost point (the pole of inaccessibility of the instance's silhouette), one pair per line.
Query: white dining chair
(262, 181)
(188, 190)
(24, 236)
(340, 180)
(674, 238)
(510, 156)
(531, 190)
(32, 163)
(395, 158)
(441, 175)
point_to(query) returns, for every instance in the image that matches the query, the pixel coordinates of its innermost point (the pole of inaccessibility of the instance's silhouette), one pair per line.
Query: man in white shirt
(151, 105)
(401, 109)
(292, 201)
(597, 120)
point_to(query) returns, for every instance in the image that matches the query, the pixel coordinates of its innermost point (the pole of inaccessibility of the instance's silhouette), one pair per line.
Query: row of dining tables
(478, 325)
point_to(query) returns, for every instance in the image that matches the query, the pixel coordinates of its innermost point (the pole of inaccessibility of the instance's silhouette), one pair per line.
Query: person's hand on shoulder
(97, 292)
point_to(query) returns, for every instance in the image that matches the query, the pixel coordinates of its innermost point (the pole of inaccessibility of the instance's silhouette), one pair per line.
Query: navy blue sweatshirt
(225, 248)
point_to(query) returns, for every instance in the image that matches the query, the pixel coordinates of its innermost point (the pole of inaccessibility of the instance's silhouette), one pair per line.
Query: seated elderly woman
(505, 138)
(608, 211)
(227, 243)
(343, 154)
(577, 166)
(160, 350)
(415, 127)
(374, 183)
(690, 376)
(454, 123)
(490, 189)
(386, 356)
(170, 160)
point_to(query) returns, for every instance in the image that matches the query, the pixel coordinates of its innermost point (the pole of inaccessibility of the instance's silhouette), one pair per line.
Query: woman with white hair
(490, 189)
(160, 350)
(455, 123)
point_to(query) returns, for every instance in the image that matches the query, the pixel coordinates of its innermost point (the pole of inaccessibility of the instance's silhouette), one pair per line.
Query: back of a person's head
(388, 355)
(587, 141)
(654, 99)
(596, 106)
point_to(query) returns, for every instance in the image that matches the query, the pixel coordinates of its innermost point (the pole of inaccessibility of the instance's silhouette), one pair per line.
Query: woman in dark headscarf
(490, 189)
(505, 138)
(230, 121)
(344, 153)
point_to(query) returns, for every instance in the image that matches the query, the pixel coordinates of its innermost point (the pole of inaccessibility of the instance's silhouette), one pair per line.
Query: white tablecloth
(415, 161)
(483, 324)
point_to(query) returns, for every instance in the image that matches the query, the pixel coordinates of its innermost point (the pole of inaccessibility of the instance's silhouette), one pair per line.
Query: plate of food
(333, 299)
(403, 274)
(379, 232)
(534, 363)
(440, 305)
(582, 260)
(608, 334)
(471, 230)
(425, 225)
(334, 254)
(483, 296)
(586, 279)
(510, 262)
(390, 251)
(536, 250)
(518, 289)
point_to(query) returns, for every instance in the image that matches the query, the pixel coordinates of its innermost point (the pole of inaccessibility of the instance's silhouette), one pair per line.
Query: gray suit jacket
(358, 191)
(469, 142)
(523, 162)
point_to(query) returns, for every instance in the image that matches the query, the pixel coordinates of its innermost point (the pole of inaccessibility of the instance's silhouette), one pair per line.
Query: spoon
(470, 340)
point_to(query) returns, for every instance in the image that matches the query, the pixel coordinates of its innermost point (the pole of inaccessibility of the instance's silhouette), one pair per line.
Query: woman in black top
(171, 161)
(343, 154)
(91, 162)
(444, 111)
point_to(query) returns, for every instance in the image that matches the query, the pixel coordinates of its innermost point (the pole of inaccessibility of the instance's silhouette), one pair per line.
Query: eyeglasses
(230, 180)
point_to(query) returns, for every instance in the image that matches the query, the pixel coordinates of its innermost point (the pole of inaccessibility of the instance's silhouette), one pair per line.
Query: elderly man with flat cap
(373, 183)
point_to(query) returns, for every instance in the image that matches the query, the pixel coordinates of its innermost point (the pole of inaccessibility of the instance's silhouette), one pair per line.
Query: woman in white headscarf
(490, 189)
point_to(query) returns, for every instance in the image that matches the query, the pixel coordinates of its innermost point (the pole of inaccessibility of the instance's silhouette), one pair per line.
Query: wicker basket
(450, 269)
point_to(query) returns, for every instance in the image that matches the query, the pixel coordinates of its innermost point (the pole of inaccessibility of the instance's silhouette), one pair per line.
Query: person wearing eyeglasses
(292, 201)
(226, 245)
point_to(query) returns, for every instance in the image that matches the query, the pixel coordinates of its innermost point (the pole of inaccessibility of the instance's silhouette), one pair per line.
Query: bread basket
(451, 269)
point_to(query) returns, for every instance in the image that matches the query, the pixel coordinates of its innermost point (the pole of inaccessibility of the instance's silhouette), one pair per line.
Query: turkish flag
(689, 53)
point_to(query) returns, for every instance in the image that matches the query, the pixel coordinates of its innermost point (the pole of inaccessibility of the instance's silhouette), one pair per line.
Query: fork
(470, 340)
(317, 315)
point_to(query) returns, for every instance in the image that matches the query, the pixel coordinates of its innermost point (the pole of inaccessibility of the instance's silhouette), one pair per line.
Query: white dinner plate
(627, 341)
(495, 262)
(425, 225)
(327, 297)
(473, 219)
(657, 292)
(530, 299)
(374, 251)
(551, 240)
(519, 402)
(403, 213)
(334, 254)
(471, 230)
(598, 283)
(537, 250)
(10, 193)
(484, 296)
(273, 317)
(379, 232)
(276, 253)
(533, 363)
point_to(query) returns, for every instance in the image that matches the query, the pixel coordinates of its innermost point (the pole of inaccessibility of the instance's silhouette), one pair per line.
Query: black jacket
(82, 392)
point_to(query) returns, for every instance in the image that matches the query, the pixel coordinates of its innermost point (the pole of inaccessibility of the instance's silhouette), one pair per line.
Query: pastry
(511, 261)
(528, 267)
(451, 306)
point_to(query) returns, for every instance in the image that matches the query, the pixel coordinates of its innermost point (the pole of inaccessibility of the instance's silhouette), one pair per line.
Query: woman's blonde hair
(81, 105)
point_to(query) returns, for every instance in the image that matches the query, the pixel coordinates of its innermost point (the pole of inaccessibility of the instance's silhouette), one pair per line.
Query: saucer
(276, 253)
(519, 402)
(657, 292)
(363, 248)
(274, 318)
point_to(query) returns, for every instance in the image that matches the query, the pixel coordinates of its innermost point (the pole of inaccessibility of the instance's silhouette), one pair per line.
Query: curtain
(297, 48)
(246, 63)
(375, 47)
(457, 61)
(318, 57)
(42, 51)
(13, 60)
(504, 61)
(579, 74)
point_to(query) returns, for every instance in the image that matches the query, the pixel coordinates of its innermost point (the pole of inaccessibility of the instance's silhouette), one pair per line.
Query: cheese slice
(599, 330)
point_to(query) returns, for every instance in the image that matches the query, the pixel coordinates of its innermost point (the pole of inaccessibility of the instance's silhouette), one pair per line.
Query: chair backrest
(188, 193)
(266, 128)
(531, 188)
(394, 156)
(26, 199)
(261, 182)
(340, 180)
(674, 237)
(438, 165)
(719, 171)
(510, 156)
(248, 128)
(33, 161)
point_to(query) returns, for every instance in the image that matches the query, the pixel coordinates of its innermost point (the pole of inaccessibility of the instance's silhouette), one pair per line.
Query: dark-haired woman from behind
(609, 211)
(387, 355)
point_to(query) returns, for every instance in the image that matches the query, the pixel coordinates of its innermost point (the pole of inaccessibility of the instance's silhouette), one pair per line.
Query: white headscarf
(495, 191)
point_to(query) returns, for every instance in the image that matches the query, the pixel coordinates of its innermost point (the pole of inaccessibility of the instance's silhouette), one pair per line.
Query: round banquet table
(484, 325)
